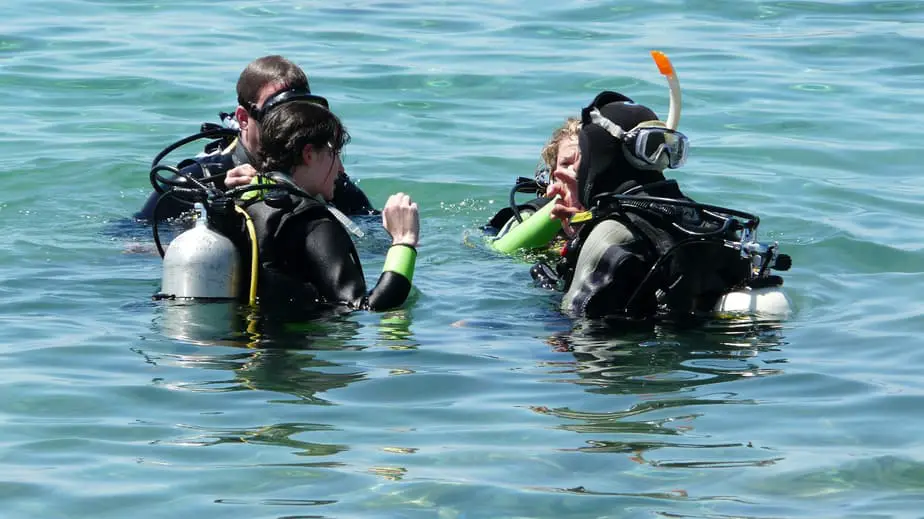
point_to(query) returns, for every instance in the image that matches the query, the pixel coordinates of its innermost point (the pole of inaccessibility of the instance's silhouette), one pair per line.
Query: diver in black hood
(645, 250)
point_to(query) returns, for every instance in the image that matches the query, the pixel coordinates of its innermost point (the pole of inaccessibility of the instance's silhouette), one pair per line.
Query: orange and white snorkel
(667, 70)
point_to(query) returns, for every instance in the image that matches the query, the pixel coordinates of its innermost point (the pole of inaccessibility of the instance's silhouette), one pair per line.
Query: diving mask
(650, 145)
(543, 174)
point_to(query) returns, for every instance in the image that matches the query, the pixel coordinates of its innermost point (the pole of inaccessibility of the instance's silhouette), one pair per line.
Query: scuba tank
(763, 295)
(201, 263)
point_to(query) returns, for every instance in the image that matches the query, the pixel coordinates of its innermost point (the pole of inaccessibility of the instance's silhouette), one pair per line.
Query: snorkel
(667, 70)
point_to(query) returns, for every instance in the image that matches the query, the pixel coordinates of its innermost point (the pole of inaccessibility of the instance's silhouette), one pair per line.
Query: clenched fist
(402, 220)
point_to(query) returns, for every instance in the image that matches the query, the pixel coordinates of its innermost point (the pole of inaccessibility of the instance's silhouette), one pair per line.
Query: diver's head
(621, 141)
(264, 84)
(560, 158)
(303, 139)
(561, 145)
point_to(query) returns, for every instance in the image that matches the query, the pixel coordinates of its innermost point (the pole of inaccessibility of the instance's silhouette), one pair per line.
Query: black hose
(218, 132)
(154, 215)
(157, 180)
(196, 196)
(522, 185)
(726, 225)
(752, 220)
(176, 188)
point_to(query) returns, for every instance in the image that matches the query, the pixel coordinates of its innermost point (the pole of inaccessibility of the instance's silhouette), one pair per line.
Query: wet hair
(569, 129)
(266, 70)
(290, 127)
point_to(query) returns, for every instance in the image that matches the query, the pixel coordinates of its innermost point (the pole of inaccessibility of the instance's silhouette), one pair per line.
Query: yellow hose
(253, 254)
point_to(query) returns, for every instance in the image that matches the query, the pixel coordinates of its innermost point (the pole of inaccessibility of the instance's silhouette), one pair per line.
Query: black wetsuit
(348, 197)
(307, 259)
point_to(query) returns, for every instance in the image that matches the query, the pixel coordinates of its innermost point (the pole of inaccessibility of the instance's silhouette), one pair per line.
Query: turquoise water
(478, 399)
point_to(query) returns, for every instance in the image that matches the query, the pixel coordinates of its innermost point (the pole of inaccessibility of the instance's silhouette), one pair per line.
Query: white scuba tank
(201, 263)
(765, 302)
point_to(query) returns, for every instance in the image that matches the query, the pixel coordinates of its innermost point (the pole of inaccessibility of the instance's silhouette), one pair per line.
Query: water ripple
(478, 399)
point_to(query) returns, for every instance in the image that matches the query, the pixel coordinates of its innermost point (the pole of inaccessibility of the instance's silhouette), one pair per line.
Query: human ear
(307, 154)
(243, 118)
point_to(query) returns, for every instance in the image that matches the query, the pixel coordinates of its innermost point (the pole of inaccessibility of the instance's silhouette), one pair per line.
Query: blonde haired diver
(638, 249)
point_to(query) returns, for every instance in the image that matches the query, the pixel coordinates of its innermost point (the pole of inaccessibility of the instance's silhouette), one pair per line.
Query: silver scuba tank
(201, 263)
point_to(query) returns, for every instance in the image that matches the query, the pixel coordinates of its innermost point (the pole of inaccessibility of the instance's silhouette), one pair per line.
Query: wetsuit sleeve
(536, 231)
(332, 265)
(350, 199)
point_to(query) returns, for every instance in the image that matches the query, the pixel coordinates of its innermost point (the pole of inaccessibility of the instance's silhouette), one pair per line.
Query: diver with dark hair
(234, 148)
(301, 256)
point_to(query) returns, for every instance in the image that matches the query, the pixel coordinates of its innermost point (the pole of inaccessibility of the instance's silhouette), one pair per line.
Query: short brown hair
(263, 71)
(569, 129)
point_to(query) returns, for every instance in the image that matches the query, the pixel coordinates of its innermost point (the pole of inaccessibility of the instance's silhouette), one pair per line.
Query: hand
(401, 219)
(563, 208)
(240, 176)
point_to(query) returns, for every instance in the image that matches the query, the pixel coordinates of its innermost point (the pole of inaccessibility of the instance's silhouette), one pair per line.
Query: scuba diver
(302, 258)
(229, 158)
(639, 249)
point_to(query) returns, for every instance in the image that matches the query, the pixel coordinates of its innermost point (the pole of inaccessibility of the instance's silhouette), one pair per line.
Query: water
(477, 399)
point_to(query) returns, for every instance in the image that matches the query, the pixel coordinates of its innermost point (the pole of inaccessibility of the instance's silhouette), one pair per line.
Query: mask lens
(654, 145)
(543, 174)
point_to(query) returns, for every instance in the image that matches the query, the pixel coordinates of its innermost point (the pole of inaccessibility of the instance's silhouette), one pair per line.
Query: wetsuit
(348, 197)
(307, 259)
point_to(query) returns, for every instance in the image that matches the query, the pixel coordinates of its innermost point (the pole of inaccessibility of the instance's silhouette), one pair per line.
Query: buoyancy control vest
(686, 252)
(273, 215)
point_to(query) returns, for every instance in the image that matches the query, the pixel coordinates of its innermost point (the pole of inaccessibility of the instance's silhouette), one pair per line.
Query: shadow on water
(663, 383)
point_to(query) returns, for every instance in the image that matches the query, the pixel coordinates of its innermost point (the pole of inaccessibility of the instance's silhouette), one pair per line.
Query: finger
(554, 189)
(563, 212)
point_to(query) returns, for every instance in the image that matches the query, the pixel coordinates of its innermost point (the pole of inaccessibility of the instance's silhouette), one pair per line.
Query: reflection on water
(279, 435)
(639, 396)
(667, 361)
(278, 356)
(660, 384)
